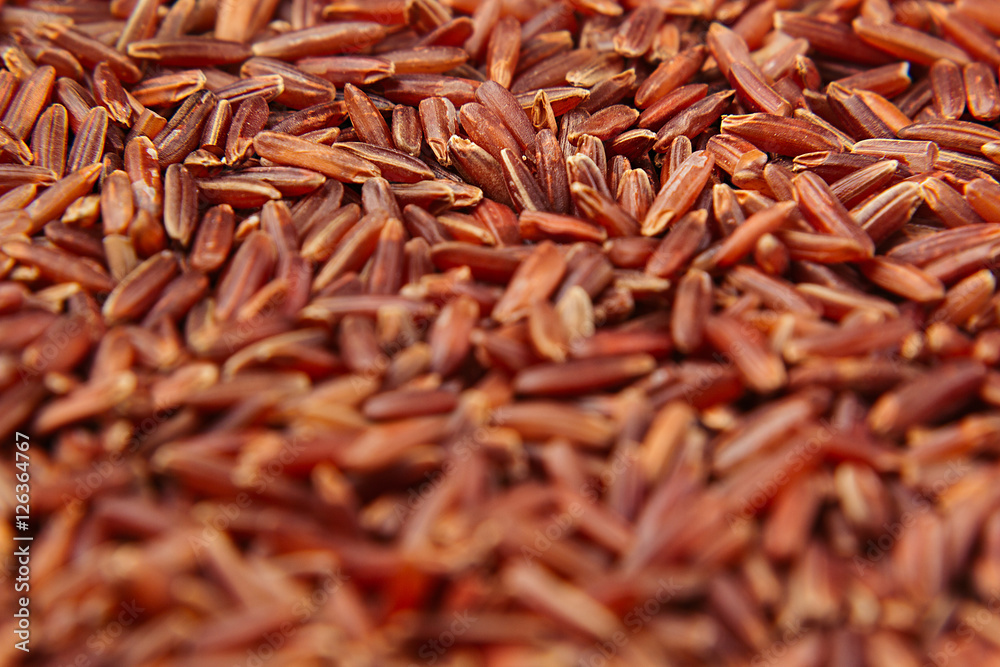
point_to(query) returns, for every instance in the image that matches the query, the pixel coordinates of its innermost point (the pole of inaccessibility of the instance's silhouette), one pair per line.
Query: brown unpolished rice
(502, 333)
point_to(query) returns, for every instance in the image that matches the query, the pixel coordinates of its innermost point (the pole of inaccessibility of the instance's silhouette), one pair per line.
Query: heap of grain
(503, 333)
